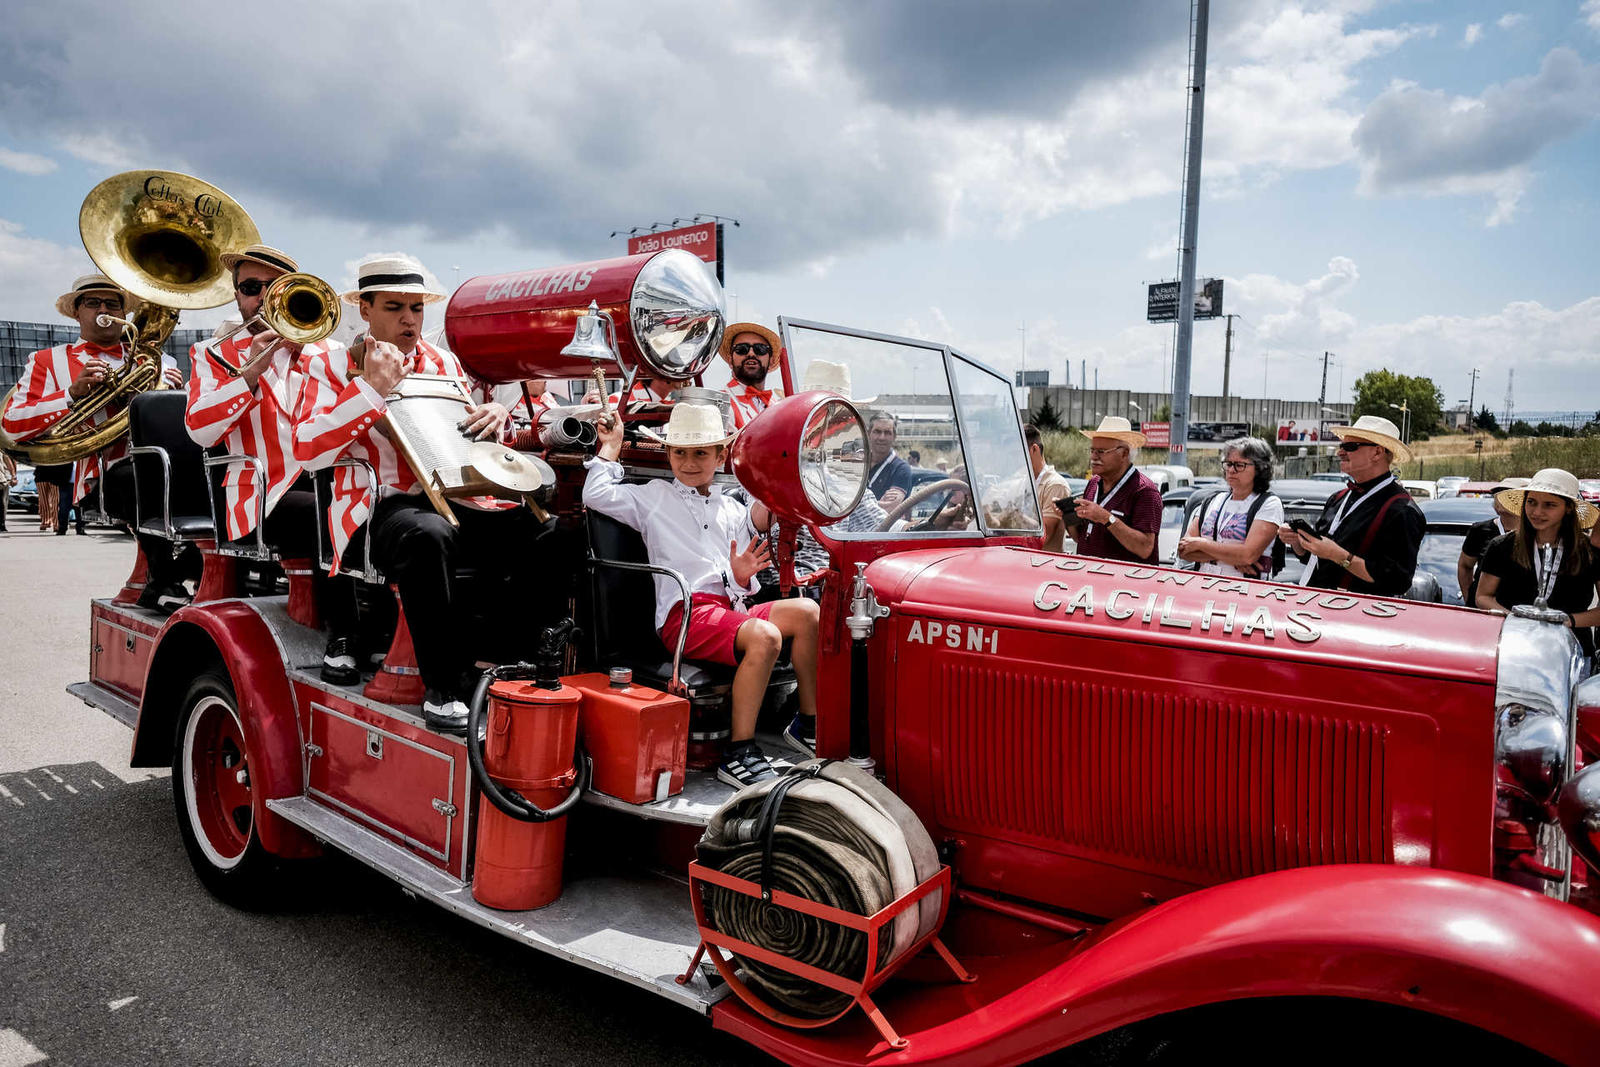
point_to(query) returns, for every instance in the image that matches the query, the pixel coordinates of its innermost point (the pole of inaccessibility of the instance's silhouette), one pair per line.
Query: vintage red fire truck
(1170, 810)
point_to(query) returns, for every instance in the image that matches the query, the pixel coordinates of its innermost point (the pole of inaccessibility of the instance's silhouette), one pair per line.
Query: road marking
(9, 795)
(18, 1051)
(96, 783)
(120, 1003)
(35, 788)
(2, 937)
(59, 780)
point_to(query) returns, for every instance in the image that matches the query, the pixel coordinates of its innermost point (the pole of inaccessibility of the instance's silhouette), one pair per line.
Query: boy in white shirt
(691, 526)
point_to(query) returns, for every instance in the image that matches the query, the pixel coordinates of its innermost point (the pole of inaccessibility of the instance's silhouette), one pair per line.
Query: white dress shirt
(682, 530)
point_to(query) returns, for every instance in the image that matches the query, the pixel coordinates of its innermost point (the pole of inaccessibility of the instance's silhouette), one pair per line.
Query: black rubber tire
(215, 809)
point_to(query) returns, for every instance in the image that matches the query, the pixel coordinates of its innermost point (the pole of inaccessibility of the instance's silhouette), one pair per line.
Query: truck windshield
(942, 429)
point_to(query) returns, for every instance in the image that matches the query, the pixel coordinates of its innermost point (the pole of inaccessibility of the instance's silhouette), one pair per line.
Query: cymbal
(508, 468)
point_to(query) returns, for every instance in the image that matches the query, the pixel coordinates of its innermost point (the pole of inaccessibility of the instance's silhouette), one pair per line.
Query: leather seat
(172, 500)
(623, 624)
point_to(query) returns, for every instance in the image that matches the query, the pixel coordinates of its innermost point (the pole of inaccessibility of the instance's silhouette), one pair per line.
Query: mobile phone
(1068, 506)
(1304, 528)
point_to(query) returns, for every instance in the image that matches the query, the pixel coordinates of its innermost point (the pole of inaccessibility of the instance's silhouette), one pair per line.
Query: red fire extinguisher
(526, 758)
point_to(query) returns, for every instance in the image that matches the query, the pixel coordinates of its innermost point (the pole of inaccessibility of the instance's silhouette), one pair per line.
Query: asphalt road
(112, 953)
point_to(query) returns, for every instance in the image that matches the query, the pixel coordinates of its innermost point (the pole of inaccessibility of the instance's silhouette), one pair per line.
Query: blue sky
(1382, 180)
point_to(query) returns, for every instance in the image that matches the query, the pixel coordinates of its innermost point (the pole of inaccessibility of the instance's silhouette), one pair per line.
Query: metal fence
(19, 340)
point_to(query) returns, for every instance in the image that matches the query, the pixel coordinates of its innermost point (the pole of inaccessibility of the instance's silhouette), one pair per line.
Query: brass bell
(589, 338)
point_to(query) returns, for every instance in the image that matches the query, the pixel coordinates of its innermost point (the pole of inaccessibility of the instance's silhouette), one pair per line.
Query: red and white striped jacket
(335, 420)
(748, 401)
(41, 399)
(258, 424)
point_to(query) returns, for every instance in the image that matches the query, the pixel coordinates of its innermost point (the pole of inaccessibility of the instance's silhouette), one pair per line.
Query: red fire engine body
(1155, 790)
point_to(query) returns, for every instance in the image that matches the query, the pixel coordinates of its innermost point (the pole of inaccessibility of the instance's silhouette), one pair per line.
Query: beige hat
(67, 302)
(1556, 482)
(265, 255)
(692, 425)
(1377, 430)
(726, 349)
(391, 274)
(1115, 426)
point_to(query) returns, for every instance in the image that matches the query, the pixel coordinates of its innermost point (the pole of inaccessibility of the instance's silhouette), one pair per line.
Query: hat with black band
(392, 274)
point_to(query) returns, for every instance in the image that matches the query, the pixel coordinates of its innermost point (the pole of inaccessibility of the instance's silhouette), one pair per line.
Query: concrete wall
(1085, 407)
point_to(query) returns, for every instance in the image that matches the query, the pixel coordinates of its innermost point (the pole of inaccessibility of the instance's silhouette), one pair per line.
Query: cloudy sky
(1406, 184)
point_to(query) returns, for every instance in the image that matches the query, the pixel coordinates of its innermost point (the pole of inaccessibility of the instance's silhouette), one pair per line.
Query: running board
(640, 928)
(702, 794)
(97, 696)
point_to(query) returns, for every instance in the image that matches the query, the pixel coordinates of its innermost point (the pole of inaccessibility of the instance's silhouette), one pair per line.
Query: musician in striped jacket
(54, 378)
(243, 392)
(341, 406)
(753, 351)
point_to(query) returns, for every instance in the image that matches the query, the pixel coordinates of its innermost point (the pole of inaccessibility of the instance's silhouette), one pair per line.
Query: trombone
(300, 308)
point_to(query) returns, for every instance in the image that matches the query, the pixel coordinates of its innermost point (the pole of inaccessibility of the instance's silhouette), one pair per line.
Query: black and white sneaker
(801, 734)
(744, 764)
(339, 661)
(444, 712)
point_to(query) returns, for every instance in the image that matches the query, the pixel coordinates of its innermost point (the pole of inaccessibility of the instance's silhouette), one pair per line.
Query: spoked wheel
(213, 793)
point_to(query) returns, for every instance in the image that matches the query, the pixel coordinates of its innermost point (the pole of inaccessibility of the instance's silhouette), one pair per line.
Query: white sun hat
(1118, 429)
(392, 274)
(1376, 430)
(692, 425)
(1556, 482)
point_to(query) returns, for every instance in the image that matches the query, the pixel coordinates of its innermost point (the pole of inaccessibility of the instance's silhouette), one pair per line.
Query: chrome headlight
(677, 314)
(1530, 747)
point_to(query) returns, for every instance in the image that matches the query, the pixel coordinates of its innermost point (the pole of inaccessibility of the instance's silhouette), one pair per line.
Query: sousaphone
(161, 236)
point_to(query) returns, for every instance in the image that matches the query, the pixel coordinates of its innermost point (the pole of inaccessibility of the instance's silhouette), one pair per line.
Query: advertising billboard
(1161, 302)
(704, 239)
(1307, 431)
(1156, 434)
(1033, 379)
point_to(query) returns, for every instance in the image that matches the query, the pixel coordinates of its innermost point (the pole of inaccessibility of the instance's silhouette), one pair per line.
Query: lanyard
(879, 468)
(1348, 504)
(1547, 567)
(1104, 500)
(1223, 500)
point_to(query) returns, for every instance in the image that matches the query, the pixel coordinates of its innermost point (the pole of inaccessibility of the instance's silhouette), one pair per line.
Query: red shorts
(713, 625)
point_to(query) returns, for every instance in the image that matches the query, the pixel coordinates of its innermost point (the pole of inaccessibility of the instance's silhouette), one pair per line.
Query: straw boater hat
(265, 255)
(66, 303)
(1118, 428)
(1377, 430)
(692, 426)
(830, 378)
(726, 349)
(1556, 482)
(391, 274)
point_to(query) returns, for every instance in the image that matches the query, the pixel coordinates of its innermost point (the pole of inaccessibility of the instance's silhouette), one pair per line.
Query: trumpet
(300, 308)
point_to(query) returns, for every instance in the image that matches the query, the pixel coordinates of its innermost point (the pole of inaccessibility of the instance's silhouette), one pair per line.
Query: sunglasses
(1235, 465)
(1353, 446)
(95, 303)
(744, 348)
(252, 286)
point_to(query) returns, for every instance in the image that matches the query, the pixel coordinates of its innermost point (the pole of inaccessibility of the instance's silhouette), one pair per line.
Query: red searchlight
(666, 309)
(805, 457)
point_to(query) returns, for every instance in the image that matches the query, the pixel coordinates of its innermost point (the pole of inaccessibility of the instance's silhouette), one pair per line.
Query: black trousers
(167, 567)
(517, 567)
(290, 529)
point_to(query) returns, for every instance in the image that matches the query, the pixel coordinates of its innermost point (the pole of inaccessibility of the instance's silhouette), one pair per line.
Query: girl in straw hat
(1546, 559)
(691, 526)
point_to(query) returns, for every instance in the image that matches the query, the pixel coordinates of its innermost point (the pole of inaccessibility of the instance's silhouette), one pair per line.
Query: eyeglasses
(1104, 451)
(252, 286)
(744, 348)
(1235, 465)
(95, 303)
(1352, 446)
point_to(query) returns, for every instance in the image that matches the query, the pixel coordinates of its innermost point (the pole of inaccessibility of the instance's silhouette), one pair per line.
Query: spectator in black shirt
(1546, 560)
(890, 477)
(1479, 534)
(1369, 533)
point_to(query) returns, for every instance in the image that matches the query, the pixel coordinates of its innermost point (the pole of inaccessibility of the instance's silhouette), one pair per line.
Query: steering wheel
(941, 486)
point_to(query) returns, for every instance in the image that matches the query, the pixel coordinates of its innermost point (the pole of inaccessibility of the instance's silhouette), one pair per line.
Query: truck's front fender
(1473, 950)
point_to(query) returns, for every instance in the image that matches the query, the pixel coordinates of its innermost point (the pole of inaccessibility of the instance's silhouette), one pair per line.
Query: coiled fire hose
(830, 833)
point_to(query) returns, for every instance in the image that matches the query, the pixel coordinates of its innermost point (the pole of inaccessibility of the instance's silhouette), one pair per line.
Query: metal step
(639, 928)
(97, 696)
(702, 793)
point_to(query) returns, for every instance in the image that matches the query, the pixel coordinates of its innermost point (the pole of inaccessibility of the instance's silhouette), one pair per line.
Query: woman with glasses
(1546, 559)
(1233, 534)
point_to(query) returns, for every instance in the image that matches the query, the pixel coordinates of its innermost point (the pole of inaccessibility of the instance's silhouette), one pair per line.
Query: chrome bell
(590, 338)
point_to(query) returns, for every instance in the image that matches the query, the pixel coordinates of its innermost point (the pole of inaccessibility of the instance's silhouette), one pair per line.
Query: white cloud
(1511, 20)
(1415, 140)
(26, 162)
(1473, 35)
(33, 272)
(1591, 14)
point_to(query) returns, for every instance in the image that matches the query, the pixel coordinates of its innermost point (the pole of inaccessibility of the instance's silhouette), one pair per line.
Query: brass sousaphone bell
(161, 236)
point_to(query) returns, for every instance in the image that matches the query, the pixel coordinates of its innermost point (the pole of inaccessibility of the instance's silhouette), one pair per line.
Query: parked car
(1448, 523)
(1446, 487)
(24, 494)
(1589, 488)
(1419, 489)
(1303, 498)
(1483, 489)
(1172, 523)
(1168, 476)
(1329, 476)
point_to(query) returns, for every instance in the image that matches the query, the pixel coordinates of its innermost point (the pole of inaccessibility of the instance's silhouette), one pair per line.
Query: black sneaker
(339, 661)
(168, 598)
(444, 712)
(801, 734)
(743, 765)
